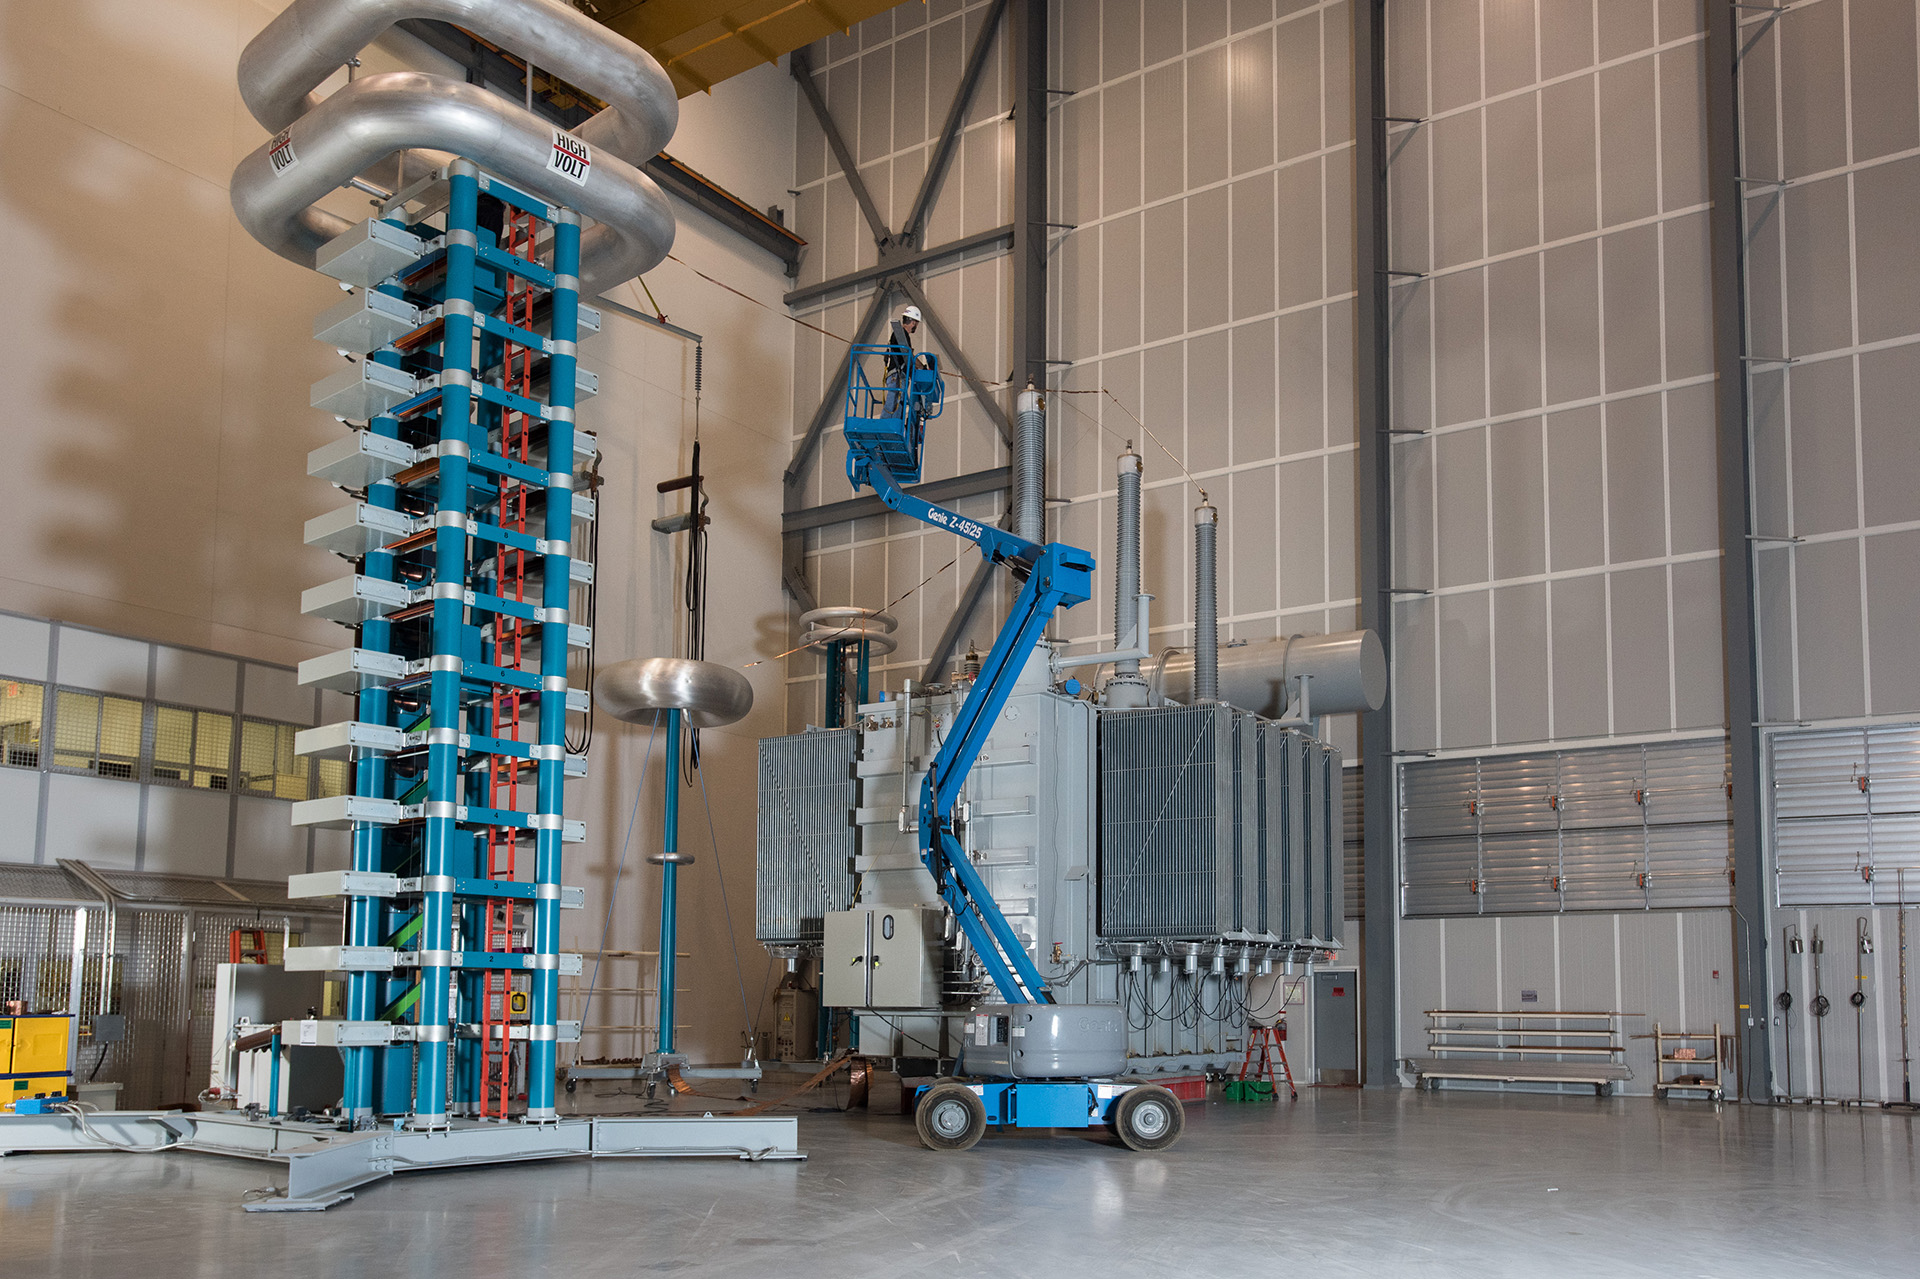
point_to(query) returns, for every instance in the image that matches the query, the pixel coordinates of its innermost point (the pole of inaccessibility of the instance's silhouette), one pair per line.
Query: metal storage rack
(1524, 1048)
(1666, 1046)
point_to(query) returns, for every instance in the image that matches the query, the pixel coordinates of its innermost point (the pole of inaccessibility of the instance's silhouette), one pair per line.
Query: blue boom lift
(1029, 1062)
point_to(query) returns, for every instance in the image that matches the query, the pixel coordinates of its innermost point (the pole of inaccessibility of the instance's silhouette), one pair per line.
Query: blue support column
(372, 776)
(543, 1032)
(669, 885)
(436, 954)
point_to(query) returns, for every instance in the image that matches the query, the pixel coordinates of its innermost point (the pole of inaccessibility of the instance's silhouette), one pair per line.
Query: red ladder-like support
(510, 648)
(1267, 1044)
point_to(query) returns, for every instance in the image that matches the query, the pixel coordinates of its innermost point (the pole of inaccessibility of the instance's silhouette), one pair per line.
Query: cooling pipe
(324, 144)
(1126, 688)
(1206, 602)
(1346, 672)
(1030, 466)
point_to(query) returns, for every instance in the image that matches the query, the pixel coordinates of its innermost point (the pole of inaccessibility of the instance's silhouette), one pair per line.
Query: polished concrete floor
(1340, 1183)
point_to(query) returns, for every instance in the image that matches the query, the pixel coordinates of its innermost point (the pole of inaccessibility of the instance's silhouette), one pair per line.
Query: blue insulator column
(436, 954)
(543, 1031)
(669, 882)
(371, 777)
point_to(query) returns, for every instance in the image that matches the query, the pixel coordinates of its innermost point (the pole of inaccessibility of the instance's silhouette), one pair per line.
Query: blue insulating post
(273, 1077)
(371, 778)
(434, 1017)
(543, 1029)
(862, 671)
(669, 885)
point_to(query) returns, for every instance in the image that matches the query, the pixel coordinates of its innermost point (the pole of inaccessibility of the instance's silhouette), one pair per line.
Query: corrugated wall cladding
(1203, 163)
(1353, 845)
(1609, 828)
(1830, 106)
(806, 834)
(1552, 384)
(1846, 816)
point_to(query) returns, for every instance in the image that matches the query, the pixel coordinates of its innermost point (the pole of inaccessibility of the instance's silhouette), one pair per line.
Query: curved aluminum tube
(378, 115)
(311, 39)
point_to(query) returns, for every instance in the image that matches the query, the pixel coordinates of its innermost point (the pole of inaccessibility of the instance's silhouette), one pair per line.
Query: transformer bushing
(1206, 603)
(1126, 688)
(1030, 465)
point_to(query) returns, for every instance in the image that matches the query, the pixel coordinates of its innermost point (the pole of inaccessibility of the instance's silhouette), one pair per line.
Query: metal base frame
(325, 1166)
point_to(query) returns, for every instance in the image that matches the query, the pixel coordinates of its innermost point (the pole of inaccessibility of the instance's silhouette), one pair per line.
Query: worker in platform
(900, 357)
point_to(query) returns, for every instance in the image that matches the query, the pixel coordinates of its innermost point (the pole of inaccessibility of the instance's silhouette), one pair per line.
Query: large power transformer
(1152, 858)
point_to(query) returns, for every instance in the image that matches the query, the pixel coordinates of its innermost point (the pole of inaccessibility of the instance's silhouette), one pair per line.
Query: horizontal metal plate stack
(806, 834)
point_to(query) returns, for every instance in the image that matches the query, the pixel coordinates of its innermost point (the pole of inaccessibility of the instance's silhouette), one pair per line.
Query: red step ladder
(1269, 1043)
(247, 946)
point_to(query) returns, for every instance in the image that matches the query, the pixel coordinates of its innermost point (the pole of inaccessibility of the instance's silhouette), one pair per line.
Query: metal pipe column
(1206, 603)
(556, 579)
(670, 859)
(1727, 275)
(1373, 510)
(433, 1031)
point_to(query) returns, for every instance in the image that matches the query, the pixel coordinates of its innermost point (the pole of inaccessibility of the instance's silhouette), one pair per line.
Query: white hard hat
(911, 313)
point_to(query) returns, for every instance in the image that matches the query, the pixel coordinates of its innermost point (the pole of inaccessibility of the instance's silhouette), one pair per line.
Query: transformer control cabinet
(882, 957)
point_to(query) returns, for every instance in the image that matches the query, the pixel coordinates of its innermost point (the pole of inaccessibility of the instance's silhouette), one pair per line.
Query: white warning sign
(571, 158)
(280, 153)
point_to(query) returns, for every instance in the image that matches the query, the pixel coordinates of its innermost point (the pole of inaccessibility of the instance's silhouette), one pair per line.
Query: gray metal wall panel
(1830, 267)
(1238, 342)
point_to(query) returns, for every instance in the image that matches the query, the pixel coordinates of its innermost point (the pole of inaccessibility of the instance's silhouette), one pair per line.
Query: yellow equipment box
(33, 1050)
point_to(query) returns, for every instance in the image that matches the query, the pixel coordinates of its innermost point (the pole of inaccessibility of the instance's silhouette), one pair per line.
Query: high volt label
(571, 158)
(280, 153)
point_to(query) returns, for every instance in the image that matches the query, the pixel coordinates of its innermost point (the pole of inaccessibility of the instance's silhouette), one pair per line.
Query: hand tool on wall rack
(1862, 947)
(1820, 1007)
(1789, 947)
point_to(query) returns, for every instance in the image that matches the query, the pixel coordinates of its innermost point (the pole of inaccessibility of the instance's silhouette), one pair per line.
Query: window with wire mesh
(268, 765)
(97, 733)
(332, 777)
(191, 748)
(22, 705)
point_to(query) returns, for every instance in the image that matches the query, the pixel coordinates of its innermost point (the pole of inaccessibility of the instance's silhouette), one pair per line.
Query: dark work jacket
(900, 354)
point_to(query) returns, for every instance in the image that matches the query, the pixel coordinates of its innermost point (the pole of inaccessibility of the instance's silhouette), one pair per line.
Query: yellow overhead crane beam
(702, 42)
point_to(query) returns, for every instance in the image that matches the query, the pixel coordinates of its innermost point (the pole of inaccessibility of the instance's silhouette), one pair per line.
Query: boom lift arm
(1057, 576)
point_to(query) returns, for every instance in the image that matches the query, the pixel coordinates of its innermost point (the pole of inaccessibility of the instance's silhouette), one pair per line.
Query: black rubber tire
(1148, 1118)
(950, 1117)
